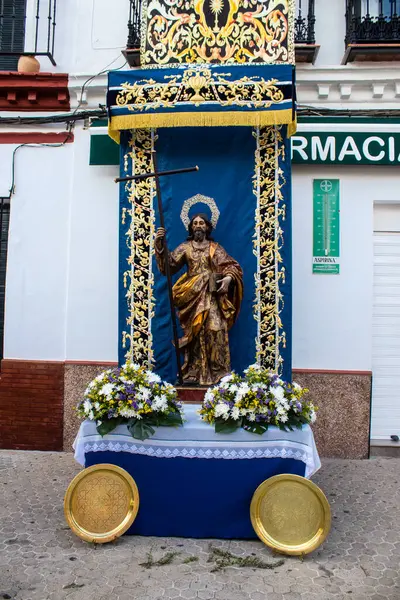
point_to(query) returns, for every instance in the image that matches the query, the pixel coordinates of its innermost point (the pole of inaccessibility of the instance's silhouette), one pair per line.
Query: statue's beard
(199, 235)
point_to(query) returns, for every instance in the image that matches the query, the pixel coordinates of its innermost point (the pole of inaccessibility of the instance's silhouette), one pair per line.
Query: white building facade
(61, 276)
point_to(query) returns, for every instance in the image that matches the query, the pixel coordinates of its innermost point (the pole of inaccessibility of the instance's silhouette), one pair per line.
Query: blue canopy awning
(201, 95)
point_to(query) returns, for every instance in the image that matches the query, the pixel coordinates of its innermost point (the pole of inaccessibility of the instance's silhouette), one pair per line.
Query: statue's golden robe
(205, 316)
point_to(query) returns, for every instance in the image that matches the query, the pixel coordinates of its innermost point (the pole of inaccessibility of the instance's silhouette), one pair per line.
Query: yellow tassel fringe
(208, 119)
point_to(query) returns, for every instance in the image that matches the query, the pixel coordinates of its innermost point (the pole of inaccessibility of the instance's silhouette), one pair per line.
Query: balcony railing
(304, 25)
(132, 52)
(373, 22)
(135, 11)
(27, 27)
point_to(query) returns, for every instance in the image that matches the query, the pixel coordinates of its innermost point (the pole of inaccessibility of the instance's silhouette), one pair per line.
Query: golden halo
(199, 199)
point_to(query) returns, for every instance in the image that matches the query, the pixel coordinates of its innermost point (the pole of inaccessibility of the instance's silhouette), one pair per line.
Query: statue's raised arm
(176, 258)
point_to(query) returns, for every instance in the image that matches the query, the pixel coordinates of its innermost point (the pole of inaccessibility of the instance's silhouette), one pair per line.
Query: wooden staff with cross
(157, 174)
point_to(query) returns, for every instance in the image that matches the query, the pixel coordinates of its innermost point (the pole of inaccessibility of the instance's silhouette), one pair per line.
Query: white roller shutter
(386, 336)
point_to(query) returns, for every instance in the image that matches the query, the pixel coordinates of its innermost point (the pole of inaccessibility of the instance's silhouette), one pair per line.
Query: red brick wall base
(31, 405)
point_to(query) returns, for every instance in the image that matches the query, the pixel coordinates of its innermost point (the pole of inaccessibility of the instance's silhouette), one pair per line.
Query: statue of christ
(207, 297)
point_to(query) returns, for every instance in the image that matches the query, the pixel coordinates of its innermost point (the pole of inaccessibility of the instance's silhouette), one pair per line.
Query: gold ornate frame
(138, 278)
(268, 183)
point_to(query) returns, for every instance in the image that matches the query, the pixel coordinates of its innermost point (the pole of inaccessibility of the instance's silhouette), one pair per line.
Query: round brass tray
(101, 503)
(290, 514)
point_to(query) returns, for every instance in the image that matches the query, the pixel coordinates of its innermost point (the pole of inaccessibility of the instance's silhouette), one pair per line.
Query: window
(374, 8)
(12, 33)
(374, 23)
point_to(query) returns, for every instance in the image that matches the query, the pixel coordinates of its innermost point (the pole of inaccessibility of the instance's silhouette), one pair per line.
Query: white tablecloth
(197, 439)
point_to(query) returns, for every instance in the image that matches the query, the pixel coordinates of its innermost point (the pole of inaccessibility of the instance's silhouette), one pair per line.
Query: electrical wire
(69, 119)
(31, 145)
(323, 111)
(303, 110)
(59, 118)
(89, 79)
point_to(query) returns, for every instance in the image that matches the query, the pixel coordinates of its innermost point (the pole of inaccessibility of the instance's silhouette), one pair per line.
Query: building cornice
(85, 93)
(349, 87)
(33, 92)
(336, 87)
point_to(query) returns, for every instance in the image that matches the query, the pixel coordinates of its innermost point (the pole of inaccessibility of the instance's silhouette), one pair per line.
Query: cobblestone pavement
(41, 559)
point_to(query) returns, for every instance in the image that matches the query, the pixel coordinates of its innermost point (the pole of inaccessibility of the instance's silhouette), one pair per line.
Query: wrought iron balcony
(304, 31)
(132, 52)
(372, 30)
(27, 27)
(304, 25)
(135, 15)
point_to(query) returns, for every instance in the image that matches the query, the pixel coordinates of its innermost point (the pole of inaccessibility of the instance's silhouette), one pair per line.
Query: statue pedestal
(191, 395)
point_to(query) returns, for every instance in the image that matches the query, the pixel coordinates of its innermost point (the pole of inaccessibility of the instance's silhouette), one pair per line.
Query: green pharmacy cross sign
(326, 244)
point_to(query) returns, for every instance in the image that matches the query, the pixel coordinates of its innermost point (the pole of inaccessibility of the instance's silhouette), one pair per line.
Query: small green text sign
(326, 236)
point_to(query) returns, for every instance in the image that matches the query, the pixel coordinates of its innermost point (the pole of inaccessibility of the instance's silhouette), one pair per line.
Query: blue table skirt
(196, 498)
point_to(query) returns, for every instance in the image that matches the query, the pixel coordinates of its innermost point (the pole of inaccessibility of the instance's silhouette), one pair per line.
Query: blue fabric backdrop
(225, 156)
(286, 254)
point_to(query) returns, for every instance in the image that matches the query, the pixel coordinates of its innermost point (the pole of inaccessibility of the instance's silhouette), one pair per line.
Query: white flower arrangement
(256, 401)
(134, 395)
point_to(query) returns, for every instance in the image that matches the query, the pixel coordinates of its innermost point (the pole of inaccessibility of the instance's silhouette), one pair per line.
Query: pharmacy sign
(346, 148)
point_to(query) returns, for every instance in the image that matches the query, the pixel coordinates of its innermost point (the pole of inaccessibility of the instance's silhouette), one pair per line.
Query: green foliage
(255, 427)
(164, 560)
(190, 559)
(140, 429)
(224, 558)
(226, 426)
(108, 425)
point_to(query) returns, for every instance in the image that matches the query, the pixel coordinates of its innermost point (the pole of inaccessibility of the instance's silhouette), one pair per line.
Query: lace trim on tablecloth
(205, 453)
